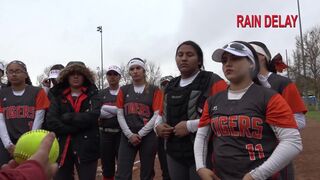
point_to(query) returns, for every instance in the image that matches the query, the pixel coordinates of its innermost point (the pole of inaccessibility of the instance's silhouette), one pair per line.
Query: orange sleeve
(205, 117)
(120, 100)
(42, 101)
(1, 109)
(279, 113)
(161, 103)
(292, 96)
(218, 87)
(157, 100)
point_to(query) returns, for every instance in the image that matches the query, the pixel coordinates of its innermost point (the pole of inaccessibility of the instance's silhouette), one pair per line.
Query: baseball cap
(114, 68)
(235, 48)
(165, 78)
(261, 48)
(53, 74)
(55, 70)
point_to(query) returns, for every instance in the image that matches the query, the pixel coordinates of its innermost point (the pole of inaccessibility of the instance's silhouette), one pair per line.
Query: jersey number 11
(252, 149)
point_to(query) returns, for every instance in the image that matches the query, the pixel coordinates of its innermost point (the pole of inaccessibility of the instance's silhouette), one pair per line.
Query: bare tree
(125, 77)
(98, 78)
(153, 73)
(43, 75)
(4, 78)
(311, 81)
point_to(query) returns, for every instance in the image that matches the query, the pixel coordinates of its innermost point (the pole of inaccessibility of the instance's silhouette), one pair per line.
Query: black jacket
(81, 126)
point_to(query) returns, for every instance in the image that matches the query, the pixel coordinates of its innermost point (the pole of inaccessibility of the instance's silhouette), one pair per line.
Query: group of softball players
(201, 126)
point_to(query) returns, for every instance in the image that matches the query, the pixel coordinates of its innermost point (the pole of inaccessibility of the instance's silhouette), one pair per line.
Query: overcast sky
(45, 32)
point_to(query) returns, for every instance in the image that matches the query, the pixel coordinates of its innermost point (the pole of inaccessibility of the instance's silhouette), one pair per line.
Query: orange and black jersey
(289, 92)
(243, 136)
(138, 108)
(19, 111)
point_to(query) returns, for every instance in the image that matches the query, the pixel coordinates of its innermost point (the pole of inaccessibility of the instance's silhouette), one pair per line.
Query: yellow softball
(29, 143)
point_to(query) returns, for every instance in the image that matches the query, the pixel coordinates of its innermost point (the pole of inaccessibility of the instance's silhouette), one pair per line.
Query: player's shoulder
(262, 92)
(126, 87)
(103, 91)
(35, 89)
(280, 78)
(278, 82)
(218, 96)
(152, 86)
(4, 91)
(215, 77)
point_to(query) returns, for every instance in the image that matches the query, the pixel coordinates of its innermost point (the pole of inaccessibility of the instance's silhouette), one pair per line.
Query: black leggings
(109, 146)
(163, 159)
(4, 155)
(127, 153)
(86, 170)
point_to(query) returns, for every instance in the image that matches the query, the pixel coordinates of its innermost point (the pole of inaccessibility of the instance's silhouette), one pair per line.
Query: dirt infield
(307, 164)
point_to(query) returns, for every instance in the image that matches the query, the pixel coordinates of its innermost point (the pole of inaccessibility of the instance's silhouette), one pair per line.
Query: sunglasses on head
(236, 46)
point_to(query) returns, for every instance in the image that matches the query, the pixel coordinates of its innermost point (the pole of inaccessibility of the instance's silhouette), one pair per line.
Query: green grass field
(314, 115)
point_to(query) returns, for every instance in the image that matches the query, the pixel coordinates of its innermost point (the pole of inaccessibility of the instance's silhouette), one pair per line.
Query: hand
(11, 149)
(181, 129)
(135, 139)
(164, 130)
(247, 177)
(41, 156)
(11, 165)
(207, 174)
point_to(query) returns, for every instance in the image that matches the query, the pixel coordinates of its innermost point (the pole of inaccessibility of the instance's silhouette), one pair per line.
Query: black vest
(181, 104)
(108, 99)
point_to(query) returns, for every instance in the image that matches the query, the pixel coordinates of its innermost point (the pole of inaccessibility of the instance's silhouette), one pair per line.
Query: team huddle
(200, 126)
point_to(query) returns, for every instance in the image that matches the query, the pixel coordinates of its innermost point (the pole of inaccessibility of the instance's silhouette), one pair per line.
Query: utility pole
(287, 61)
(304, 90)
(99, 28)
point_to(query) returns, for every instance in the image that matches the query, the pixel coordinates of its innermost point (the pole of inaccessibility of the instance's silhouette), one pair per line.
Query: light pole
(99, 79)
(302, 52)
(99, 28)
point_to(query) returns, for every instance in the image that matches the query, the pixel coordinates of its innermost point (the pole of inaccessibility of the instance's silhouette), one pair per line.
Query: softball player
(138, 107)
(22, 108)
(184, 98)
(73, 115)
(255, 134)
(110, 131)
(1, 75)
(284, 86)
(51, 81)
(269, 78)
